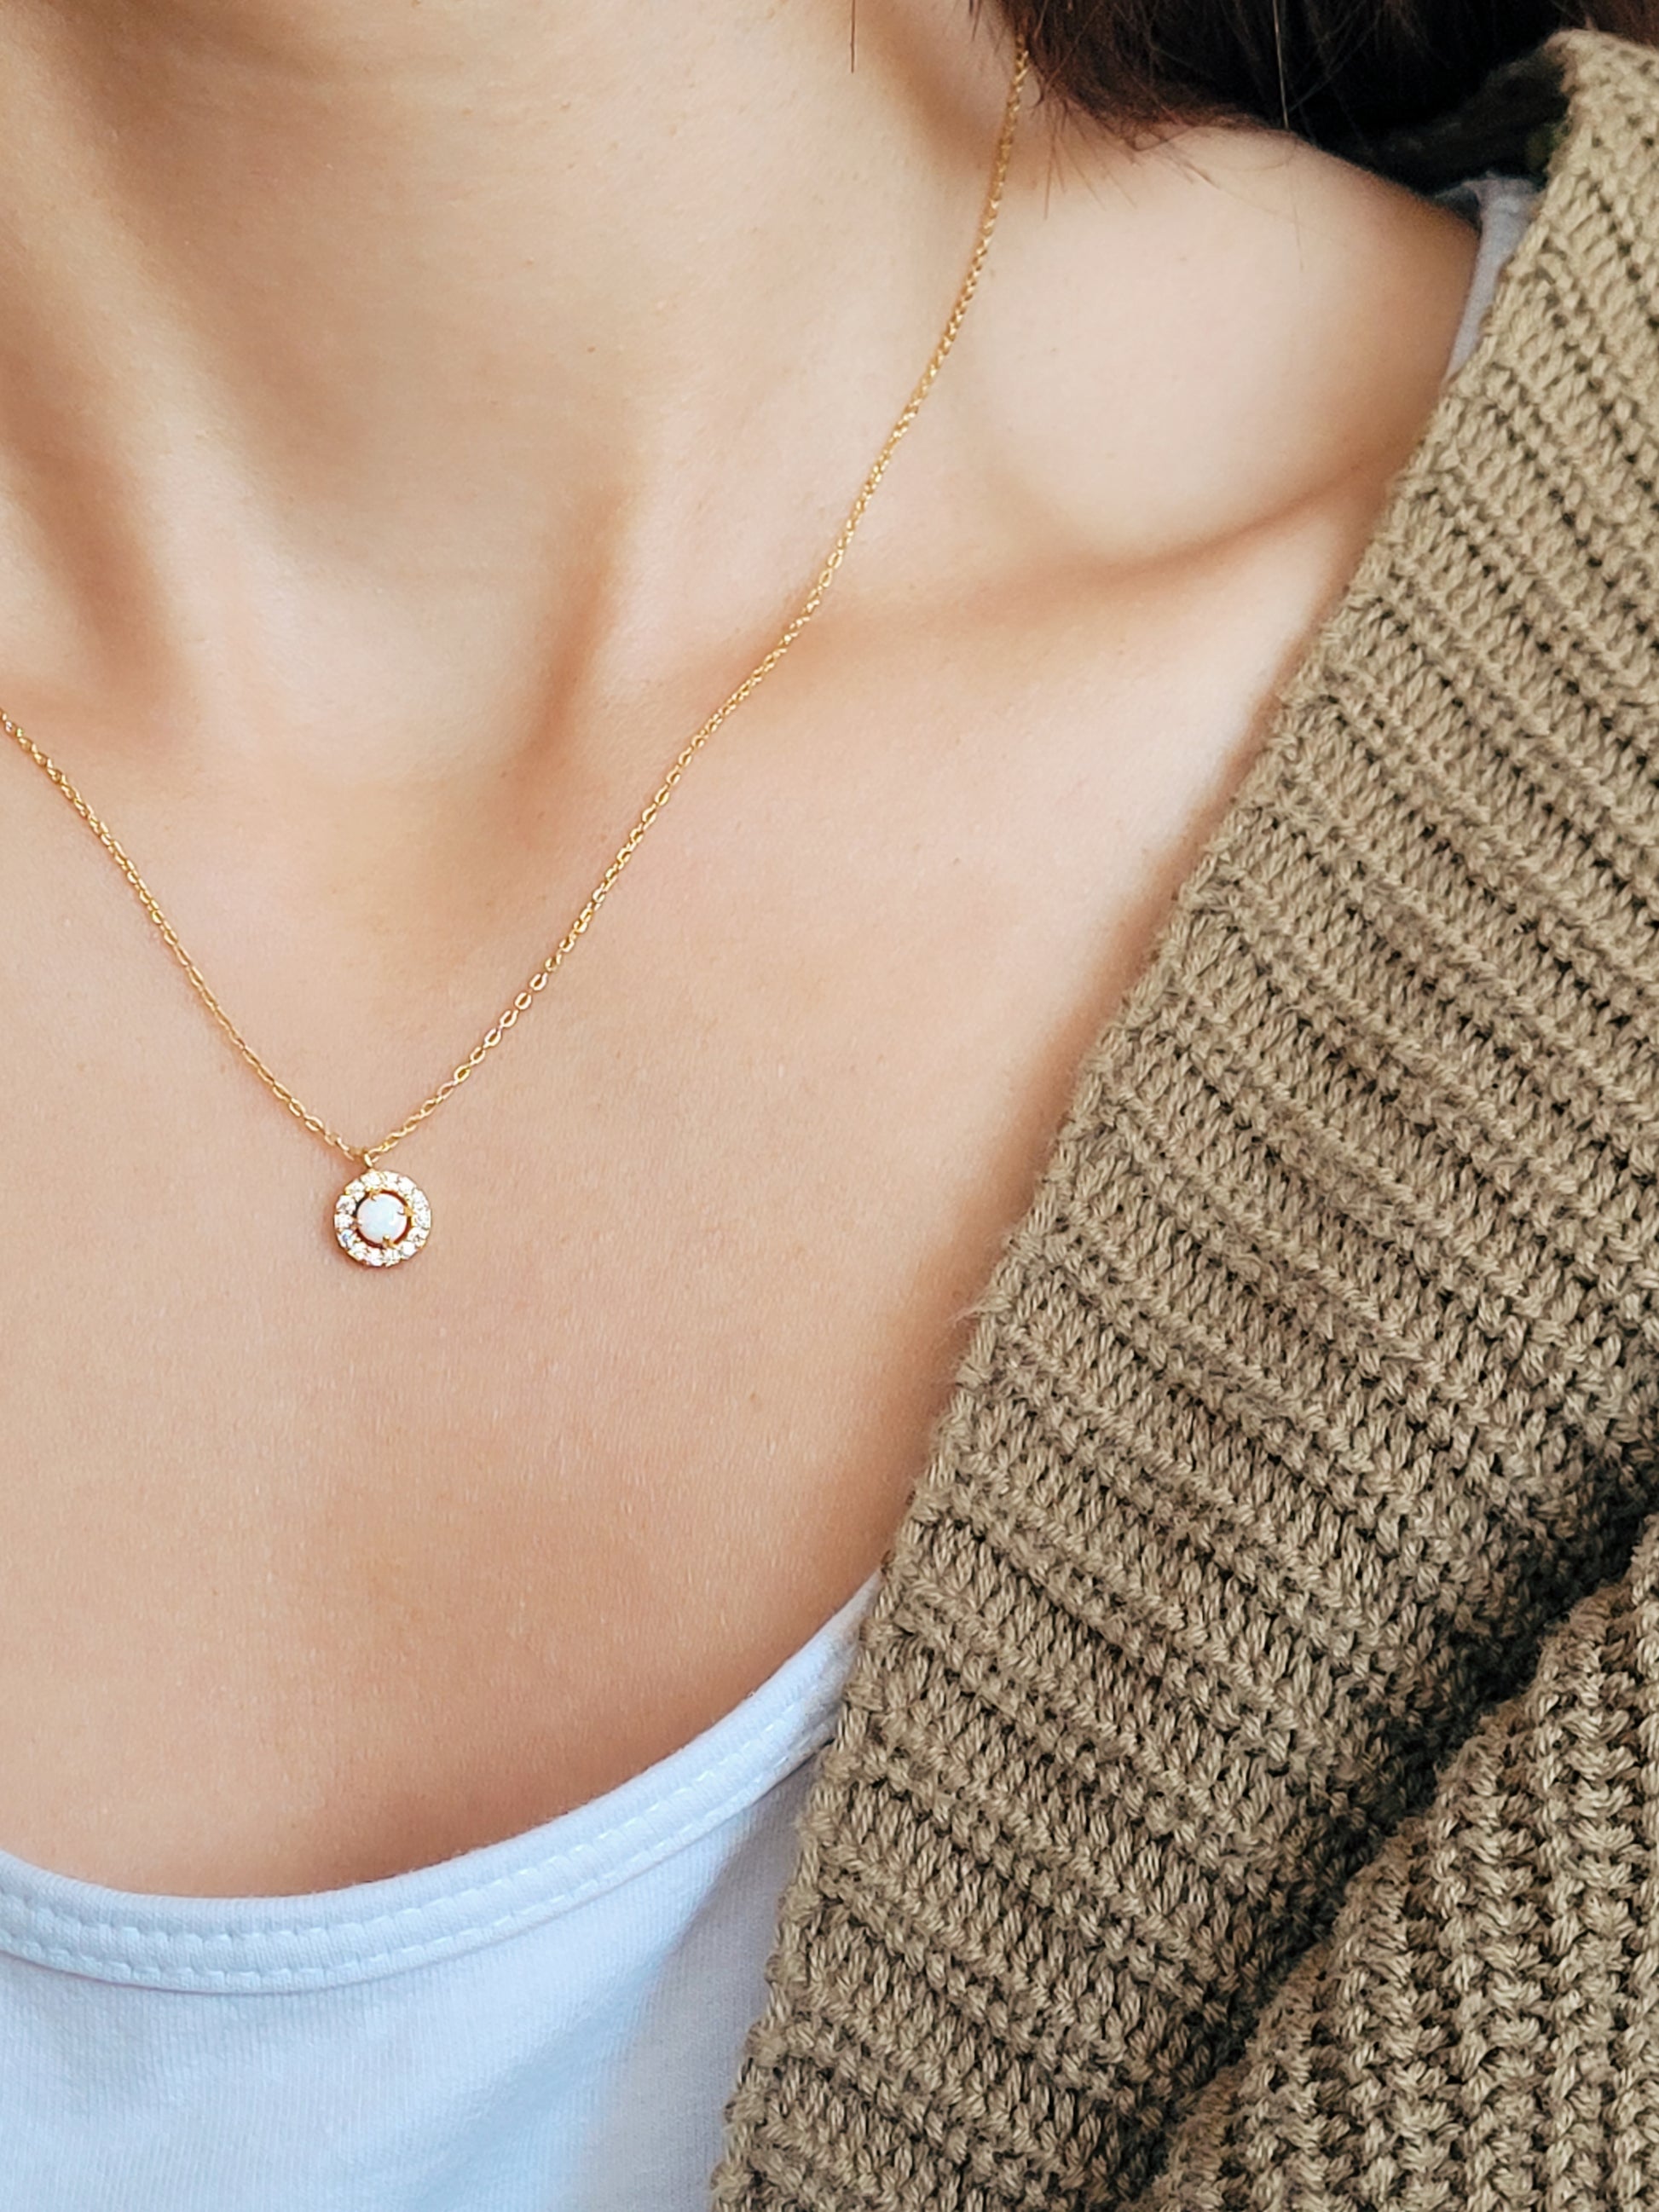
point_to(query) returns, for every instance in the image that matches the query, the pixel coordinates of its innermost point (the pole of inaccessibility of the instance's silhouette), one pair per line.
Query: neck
(485, 308)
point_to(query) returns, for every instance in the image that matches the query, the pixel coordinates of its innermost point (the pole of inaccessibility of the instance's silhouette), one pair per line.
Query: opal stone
(382, 1218)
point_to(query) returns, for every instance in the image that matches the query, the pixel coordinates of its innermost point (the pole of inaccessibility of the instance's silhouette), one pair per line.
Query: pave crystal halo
(381, 1219)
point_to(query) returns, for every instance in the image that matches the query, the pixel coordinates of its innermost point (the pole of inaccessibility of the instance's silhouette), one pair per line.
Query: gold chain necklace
(380, 1217)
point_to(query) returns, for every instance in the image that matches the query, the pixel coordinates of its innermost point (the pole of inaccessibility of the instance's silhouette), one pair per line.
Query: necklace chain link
(509, 1018)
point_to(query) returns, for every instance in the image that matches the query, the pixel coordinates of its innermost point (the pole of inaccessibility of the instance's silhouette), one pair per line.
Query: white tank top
(550, 2024)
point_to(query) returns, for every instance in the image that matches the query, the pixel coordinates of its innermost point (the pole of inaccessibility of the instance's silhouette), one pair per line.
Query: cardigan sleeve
(1480, 2028)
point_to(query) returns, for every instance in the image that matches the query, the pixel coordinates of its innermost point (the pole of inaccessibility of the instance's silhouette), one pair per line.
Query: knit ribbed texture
(1248, 1793)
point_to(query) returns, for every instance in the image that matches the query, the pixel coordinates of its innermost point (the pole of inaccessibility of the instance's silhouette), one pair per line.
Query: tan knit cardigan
(1248, 1791)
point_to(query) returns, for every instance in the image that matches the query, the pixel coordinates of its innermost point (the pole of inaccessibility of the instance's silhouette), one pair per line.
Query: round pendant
(381, 1219)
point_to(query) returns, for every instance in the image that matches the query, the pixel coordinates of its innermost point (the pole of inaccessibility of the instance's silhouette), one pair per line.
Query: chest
(307, 1574)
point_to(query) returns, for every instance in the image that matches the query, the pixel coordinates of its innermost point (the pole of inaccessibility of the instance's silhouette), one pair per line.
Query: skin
(412, 420)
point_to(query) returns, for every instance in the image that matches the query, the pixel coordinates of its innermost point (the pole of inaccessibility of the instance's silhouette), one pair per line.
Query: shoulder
(1192, 339)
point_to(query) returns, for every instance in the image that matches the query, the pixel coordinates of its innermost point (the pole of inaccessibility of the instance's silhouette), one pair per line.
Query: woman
(1230, 744)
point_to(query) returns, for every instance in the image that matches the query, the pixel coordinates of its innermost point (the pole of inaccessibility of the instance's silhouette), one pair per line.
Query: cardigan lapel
(1293, 1411)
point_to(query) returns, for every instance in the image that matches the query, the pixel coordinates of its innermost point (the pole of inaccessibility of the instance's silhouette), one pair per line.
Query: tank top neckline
(365, 1930)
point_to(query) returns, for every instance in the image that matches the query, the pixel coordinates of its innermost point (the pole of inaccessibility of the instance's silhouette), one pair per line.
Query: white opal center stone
(382, 1218)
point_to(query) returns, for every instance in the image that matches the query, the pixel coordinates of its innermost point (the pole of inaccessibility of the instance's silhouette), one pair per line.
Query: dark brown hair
(1345, 73)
